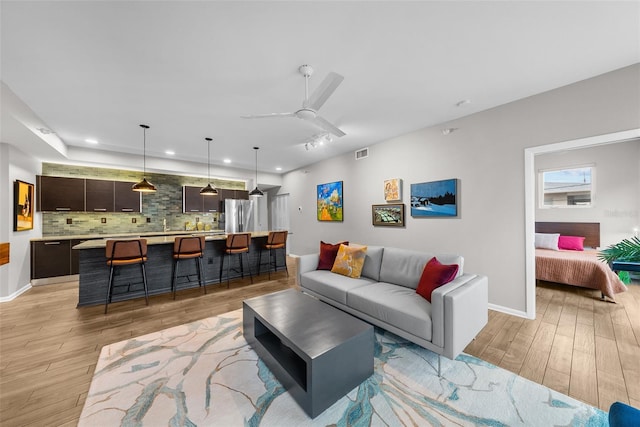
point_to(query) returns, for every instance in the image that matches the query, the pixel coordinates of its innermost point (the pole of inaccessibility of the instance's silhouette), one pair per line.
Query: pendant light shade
(209, 190)
(144, 186)
(256, 191)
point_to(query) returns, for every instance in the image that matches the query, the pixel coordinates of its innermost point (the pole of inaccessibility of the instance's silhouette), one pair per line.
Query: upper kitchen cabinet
(99, 195)
(224, 194)
(126, 200)
(192, 201)
(60, 194)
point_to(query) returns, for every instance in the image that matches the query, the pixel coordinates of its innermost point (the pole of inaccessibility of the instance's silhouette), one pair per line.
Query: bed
(577, 268)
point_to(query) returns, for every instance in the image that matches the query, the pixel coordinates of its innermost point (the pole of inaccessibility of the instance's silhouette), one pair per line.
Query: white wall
(617, 188)
(15, 276)
(486, 155)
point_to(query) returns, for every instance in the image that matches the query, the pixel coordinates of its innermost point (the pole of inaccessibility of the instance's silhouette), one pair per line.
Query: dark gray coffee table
(316, 351)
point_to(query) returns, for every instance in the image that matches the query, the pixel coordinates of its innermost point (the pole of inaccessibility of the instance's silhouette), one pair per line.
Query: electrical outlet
(133, 220)
(148, 220)
(69, 221)
(103, 220)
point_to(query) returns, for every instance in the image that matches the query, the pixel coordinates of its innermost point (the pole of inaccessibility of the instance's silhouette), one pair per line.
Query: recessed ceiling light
(169, 152)
(463, 103)
(91, 141)
(227, 160)
(278, 168)
(45, 131)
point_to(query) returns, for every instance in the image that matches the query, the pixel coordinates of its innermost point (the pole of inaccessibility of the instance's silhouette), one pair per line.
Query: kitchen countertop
(101, 242)
(125, 235)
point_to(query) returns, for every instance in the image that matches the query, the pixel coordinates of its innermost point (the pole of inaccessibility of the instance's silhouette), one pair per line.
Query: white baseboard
(16, 294)
(510, 311)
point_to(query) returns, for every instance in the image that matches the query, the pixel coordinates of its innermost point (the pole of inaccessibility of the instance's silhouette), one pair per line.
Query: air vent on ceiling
(362, 153)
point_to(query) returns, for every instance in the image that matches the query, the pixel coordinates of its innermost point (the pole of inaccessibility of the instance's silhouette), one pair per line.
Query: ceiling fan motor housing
(306, 114)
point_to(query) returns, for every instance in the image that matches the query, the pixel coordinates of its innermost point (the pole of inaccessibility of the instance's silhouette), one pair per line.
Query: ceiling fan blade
(269, 116)
(324, 91)
(319, 121)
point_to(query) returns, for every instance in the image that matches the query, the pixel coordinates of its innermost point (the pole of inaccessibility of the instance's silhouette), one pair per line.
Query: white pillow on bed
(547, 240)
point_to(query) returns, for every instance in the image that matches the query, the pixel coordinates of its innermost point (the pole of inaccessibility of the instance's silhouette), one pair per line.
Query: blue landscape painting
(436, 198)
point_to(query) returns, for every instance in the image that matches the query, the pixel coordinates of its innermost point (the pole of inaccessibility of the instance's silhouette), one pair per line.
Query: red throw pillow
(435, 275)
(573, 243)
(328, 254)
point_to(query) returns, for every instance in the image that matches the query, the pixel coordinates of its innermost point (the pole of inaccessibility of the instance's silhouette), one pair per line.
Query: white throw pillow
(547, 240)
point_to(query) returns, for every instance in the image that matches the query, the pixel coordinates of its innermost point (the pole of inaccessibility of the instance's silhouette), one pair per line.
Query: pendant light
(256, 191)
(208, 190)
(144, 186)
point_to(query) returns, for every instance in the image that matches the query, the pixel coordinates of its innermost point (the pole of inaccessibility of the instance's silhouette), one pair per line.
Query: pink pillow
(573, 243)
(435, 275)
(328, 254)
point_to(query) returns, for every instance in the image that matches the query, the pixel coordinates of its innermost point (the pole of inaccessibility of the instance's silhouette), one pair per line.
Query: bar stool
(190, 247)
(126, 252)
(275, 240)
(237, 243)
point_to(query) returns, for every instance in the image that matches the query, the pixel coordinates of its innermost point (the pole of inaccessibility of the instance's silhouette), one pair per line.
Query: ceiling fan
(311, 104)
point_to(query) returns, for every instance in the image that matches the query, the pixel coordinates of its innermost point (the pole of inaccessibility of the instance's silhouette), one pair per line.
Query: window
(567, 188)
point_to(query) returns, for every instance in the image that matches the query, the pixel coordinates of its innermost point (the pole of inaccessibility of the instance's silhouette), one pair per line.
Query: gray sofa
(385, 296)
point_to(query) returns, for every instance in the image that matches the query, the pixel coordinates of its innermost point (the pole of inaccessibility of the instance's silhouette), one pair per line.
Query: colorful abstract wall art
(329, 198)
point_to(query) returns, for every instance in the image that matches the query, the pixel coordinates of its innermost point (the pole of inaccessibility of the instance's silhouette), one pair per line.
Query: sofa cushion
(330, 285)
(349, 261)
(396, 305)
(404, 267)
(328, 254)
(372, 262)
(435, 274)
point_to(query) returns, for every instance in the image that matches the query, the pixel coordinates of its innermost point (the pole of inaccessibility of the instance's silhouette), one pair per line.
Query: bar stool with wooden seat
(237, 243)
(125, 252)
(189, 247)
(275, 240)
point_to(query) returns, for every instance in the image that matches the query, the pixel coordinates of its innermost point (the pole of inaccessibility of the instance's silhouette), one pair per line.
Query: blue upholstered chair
(623, 415)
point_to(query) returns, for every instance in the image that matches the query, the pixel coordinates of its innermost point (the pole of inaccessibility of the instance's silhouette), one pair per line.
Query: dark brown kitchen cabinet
(210, 203)
(224, 194)
(60, 194)
(50, 259)
(98, 195)
(75, 255)
(126, 200)
(192, 201)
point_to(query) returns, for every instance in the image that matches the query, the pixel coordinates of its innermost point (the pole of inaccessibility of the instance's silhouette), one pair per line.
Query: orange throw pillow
(349, 261)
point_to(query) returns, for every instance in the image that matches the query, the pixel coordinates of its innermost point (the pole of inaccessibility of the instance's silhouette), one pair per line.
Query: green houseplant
(626, 250)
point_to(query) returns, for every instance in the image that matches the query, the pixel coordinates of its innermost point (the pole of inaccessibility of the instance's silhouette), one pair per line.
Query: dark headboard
(590, 230)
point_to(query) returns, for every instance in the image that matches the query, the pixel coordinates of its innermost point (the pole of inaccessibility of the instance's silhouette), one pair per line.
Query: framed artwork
(329, 199)
(436, 198)
(391, 214)
(22, 206)
(393, 190)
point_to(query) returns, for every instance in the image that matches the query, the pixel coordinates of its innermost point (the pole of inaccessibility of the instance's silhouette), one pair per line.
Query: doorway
(530, 200)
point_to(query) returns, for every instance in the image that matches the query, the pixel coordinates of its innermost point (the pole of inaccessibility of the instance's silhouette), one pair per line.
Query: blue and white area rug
(205, 374)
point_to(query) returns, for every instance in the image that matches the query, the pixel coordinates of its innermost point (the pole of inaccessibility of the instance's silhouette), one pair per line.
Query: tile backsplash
(165, 204)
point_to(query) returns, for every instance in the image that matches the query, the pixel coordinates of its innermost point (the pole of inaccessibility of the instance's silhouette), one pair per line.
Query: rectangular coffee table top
(310, 325)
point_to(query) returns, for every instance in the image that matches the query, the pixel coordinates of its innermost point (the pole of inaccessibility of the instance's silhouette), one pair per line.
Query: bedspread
(579, 268)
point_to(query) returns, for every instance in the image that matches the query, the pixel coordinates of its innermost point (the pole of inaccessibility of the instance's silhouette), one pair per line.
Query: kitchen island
(94, 272)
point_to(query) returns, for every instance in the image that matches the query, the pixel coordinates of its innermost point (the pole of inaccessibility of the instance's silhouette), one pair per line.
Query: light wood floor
(48, 348)
(578, 345)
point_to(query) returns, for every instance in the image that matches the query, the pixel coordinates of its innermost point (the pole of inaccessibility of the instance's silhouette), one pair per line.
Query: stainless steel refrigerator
(238, 215)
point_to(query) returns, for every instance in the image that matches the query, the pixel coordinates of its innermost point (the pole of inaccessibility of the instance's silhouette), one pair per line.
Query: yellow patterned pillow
(349, 261)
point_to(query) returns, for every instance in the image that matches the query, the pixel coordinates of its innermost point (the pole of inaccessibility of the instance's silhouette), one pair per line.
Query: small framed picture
(391, 214)
(22, 206)
(393, 190)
